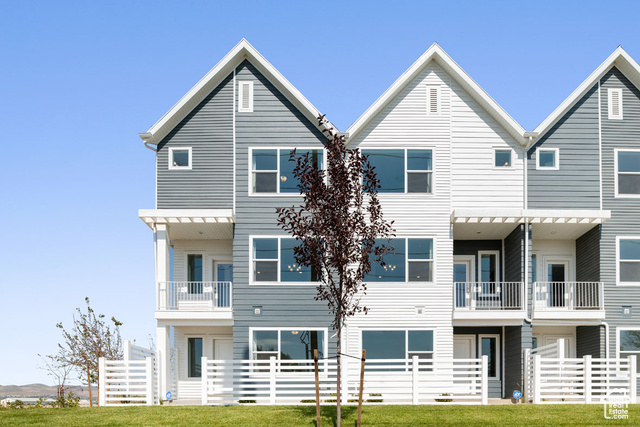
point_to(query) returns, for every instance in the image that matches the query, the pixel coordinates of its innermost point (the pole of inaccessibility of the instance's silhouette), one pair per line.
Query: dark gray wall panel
(588, 256)
(208, 130)
(590, 340)
(514, 255)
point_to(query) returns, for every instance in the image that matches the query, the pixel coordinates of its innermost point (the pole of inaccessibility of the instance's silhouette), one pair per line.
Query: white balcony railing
(568, 296)
(194, 296)
(489, 296)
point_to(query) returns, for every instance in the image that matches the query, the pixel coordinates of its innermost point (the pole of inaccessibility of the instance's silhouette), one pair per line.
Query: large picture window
(629, 260)
(273, 260)
(410, 261)
(627, 164)
(629, 344)
(272, 169)
(287, 344)
(402, 170)
(398, 344)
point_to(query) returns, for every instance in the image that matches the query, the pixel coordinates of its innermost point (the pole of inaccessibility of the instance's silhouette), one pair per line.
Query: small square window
(548, 158)
(502, 158)
(179, 158)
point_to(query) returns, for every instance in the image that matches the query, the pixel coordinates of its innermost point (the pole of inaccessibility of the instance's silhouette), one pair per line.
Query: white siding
(210, 249)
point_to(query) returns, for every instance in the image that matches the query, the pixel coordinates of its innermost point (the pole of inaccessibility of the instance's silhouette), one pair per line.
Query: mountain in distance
(41, 390)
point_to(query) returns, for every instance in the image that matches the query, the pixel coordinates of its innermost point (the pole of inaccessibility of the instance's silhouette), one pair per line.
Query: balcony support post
(162, 359)
(161, 238)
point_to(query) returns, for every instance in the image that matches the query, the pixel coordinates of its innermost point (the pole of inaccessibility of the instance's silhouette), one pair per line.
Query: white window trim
(493, 158)
(616, 173)
(406, 171)
(406, 339)
(610, 92)
(438, 100)
(406, 262)
(557, 159)
(242, 84)
(277, 193)
(498, 271)
(618, 238)
(170, 159)
(498, 352)
(618, 351)
(252, 329)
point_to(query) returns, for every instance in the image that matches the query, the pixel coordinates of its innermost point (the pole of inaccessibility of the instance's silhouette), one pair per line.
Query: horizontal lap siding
(588, 256)
(576, 185)
(208, 130)
(625, 213)
(590, 340)
(273, 122)
(514, 256)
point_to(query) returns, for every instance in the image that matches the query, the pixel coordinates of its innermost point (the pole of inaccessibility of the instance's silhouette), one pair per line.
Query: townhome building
(506, 240)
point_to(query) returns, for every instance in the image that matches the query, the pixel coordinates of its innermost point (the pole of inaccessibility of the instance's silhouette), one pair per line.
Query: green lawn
(497, 415)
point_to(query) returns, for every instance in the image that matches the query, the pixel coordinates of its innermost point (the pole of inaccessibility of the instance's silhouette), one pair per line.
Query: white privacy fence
(292, 382)
(194, 296)
(552, 378)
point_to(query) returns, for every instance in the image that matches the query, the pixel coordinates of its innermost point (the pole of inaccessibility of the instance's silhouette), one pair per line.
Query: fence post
(536, 379)
(204, 374)
(102, 379)
(525, 376)
(633, 384)
(127, 350)
(414, 377)
(588, 388)
(149, 380)
(485, 380)
(560, 344)
(272, 380)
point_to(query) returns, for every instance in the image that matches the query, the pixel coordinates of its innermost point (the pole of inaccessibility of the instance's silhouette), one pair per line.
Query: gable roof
(219, 72)
(619, 59)
(437, 54)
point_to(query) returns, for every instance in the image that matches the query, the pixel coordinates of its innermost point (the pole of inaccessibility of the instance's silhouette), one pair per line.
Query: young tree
(60, 372)
(337, 226)
(90, 338)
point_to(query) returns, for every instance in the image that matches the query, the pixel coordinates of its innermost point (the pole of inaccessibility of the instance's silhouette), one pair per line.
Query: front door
(223, 350)
(557, 275)
(464, 346)
(462, 277)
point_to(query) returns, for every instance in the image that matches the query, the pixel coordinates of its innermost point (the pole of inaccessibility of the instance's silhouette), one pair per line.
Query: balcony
(194, 300)
(568, 300)
(489, 300)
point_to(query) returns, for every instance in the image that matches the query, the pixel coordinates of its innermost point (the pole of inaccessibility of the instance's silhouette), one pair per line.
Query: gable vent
(433, 100)
(615, 104)
(245, 97)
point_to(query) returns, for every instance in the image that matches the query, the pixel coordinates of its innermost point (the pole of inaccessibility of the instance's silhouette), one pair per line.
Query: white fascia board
(529, 213)
(435, 52)
(619, 58)
(197, 93)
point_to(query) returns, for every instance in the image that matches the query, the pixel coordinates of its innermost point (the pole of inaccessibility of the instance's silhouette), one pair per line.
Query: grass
(378, 415)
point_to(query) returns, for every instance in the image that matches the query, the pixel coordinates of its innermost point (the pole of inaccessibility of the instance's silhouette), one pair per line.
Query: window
(627, 164)
(180, 158)
(614, 98)
(194, 350)
(534, 268)
(488, 270)
(548, 158)
(402, 344)
(194, 273)
(402, 170)
(489, 348)
(287, 344)
(410, 261)
(433, 100)
(274, 261)
(245, 96)
(502, 158)
(629, 344)
(628, 260)
(272, 169)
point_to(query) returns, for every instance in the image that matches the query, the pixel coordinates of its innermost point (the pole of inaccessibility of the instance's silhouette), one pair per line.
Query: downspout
(606, 338)
(526, 229)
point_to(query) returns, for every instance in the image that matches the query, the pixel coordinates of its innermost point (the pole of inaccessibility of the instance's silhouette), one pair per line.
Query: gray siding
(208, 130)
(590, 340)
(274, 122)
(576, 135)
(514, 255)
(588, 256)
(625, 213)
(517, 338)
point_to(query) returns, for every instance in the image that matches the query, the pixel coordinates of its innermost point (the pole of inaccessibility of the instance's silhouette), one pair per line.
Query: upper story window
(614, 101)
(180, 158)
(502, 157)
(273, 261)
(245, 96)
(433, 99)
(628, 260)
(548, 158)
(410, 261)
(627, 164)
(402, 170)
(272, 169)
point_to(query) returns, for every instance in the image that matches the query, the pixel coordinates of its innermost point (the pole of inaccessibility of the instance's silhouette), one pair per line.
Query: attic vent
(615, 104)
(245, 97)
(433, 100)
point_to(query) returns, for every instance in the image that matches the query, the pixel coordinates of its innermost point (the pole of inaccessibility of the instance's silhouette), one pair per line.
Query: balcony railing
(558, 296)
(489, 296)
(194, 296)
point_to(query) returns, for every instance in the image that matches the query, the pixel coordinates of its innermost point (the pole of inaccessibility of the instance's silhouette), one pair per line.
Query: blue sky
(79, 80)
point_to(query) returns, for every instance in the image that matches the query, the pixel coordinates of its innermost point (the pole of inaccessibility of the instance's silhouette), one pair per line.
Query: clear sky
(79, 80)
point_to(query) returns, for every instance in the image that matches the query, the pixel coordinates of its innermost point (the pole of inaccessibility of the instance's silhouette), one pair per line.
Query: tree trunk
(339, 367)
(89, 384)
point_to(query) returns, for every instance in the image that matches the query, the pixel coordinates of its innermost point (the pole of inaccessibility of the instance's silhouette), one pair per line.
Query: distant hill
(39, 390)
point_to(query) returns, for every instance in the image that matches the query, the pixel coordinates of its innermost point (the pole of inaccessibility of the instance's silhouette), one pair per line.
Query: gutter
(146, 136)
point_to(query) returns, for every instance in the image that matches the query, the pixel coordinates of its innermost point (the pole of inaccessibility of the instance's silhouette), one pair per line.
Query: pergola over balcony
(191, 224)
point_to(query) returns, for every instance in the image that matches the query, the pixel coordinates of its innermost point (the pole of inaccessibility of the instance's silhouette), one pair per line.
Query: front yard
(380, 415)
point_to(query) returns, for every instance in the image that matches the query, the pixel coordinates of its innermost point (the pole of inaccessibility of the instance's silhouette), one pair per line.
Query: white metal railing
(410, 381)
(489, 296)
(568, 296)
(196, 296)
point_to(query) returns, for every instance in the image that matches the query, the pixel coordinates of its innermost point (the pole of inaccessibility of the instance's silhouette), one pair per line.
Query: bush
(16, 404)
(444, 400)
